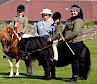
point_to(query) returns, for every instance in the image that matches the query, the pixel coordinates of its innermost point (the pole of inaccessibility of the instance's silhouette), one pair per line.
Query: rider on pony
(20, 22)
(56, 29)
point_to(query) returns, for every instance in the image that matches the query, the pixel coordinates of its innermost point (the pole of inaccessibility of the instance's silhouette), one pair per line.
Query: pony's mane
(3, 32)
(6, 31)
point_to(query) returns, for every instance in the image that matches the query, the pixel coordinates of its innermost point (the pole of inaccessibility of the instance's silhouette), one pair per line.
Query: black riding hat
(20, 8)
(56, 16)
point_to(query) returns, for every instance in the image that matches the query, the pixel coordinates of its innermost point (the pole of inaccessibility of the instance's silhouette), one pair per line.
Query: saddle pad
(27, 35)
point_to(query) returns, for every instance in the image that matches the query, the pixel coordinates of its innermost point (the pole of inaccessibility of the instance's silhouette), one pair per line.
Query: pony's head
(5, 41)
(4, 31)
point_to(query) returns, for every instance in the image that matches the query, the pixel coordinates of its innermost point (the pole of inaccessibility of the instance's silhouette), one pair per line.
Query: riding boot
(55, 52)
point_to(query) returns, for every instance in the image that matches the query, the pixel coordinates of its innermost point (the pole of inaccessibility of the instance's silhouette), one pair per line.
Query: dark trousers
(76, 47)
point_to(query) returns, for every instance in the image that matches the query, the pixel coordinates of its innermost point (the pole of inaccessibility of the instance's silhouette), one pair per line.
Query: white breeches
(55, 51)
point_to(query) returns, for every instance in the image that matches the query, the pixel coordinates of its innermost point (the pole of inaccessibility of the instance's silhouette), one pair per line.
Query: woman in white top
(44, 25)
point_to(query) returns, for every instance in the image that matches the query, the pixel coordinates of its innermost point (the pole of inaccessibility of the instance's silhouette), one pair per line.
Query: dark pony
(37, 47)
(66, 57)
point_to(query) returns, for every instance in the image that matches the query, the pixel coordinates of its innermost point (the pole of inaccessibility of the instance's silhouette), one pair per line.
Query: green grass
(61, 73)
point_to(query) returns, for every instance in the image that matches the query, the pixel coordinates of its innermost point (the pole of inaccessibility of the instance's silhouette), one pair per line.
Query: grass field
(61, 73)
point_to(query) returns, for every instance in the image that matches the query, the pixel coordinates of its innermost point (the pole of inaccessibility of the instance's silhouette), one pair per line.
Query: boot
(73, 79)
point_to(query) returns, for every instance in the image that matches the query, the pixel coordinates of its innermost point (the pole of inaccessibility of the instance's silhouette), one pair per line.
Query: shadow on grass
(35, 77)
(6, 75)
(42, 78)
(22, 75)
(9, 73)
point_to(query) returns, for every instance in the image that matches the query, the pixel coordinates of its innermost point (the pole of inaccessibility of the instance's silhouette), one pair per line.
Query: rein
(37, 50)
(13, 45)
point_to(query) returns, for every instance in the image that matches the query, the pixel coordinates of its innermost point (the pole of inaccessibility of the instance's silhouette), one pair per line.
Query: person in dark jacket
(72, 35)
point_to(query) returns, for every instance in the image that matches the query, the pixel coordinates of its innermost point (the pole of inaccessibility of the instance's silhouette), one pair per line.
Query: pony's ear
(8, 26)
(8, 29)
(1, 36)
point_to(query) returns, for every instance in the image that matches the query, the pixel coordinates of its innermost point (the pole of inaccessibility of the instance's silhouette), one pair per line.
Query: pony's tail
(84, 63)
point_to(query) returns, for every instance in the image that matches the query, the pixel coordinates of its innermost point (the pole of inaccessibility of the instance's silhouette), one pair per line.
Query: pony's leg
(47, 69)
(31, 67)
(17, 68)
(11, 66)
(53, 74)
(84, 63)
(27, 71)
(27, 65)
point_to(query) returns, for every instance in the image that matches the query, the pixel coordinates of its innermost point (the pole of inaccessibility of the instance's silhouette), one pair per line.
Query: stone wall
(89, 33)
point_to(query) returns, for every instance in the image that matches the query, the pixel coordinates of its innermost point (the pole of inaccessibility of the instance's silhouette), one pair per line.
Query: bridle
(25, 54)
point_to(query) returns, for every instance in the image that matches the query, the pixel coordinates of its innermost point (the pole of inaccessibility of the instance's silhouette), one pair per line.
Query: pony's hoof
(17, 75)
(46, 78)
(11, 75)
(84, 78)
(31, 75)
(53, 77)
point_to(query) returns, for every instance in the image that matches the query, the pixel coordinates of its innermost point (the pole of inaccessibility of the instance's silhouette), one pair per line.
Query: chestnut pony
(9, 40)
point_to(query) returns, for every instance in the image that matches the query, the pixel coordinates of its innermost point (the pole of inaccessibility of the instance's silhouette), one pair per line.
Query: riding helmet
(56, 16)
(20, 8)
